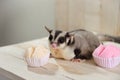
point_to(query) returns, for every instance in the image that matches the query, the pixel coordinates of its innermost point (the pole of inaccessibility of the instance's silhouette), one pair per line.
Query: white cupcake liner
(37, 62)
(107, 62)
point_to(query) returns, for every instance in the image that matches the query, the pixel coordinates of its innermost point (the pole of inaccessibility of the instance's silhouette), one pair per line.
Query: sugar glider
(76, 44)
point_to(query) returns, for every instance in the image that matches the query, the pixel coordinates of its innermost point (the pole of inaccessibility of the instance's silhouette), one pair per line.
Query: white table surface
(13, 66)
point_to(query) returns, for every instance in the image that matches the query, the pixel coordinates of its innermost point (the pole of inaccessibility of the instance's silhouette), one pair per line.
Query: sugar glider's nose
(54, 45)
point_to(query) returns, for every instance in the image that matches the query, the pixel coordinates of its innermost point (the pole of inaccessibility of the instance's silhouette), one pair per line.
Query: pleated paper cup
(37, 62)
(107, 62)
(37, 56)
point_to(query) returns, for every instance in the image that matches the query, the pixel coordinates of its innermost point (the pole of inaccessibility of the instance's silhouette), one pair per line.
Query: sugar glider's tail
(103, 37)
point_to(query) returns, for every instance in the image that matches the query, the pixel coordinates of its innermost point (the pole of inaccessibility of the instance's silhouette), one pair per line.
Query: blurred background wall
(101, 16)
(23, 20)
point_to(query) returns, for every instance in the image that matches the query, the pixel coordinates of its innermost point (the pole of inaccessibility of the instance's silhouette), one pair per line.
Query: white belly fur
(66, 53)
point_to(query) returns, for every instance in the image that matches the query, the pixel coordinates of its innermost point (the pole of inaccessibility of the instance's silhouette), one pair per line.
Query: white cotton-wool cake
(37, 56)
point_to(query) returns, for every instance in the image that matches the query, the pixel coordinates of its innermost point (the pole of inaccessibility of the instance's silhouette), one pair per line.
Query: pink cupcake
(107, 56)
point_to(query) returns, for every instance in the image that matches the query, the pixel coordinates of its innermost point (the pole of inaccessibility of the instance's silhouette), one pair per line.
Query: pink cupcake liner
(107, 62)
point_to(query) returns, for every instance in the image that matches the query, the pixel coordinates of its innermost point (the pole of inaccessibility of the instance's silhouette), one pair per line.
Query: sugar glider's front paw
(77, 60)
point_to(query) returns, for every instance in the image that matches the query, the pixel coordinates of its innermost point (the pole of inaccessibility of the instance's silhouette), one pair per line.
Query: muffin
(107, 56)
(37, 56)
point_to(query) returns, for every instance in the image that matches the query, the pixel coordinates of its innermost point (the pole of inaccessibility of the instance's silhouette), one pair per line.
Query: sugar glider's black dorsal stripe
(57, 32)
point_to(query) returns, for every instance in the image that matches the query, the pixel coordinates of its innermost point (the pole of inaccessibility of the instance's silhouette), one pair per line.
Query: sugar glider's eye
(61, 40)
(50, 37)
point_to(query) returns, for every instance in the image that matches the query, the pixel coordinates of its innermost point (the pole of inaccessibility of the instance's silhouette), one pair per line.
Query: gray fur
(84, 42)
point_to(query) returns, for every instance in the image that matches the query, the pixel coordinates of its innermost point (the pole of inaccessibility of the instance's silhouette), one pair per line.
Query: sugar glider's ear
(69, 38)
(48, 29)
